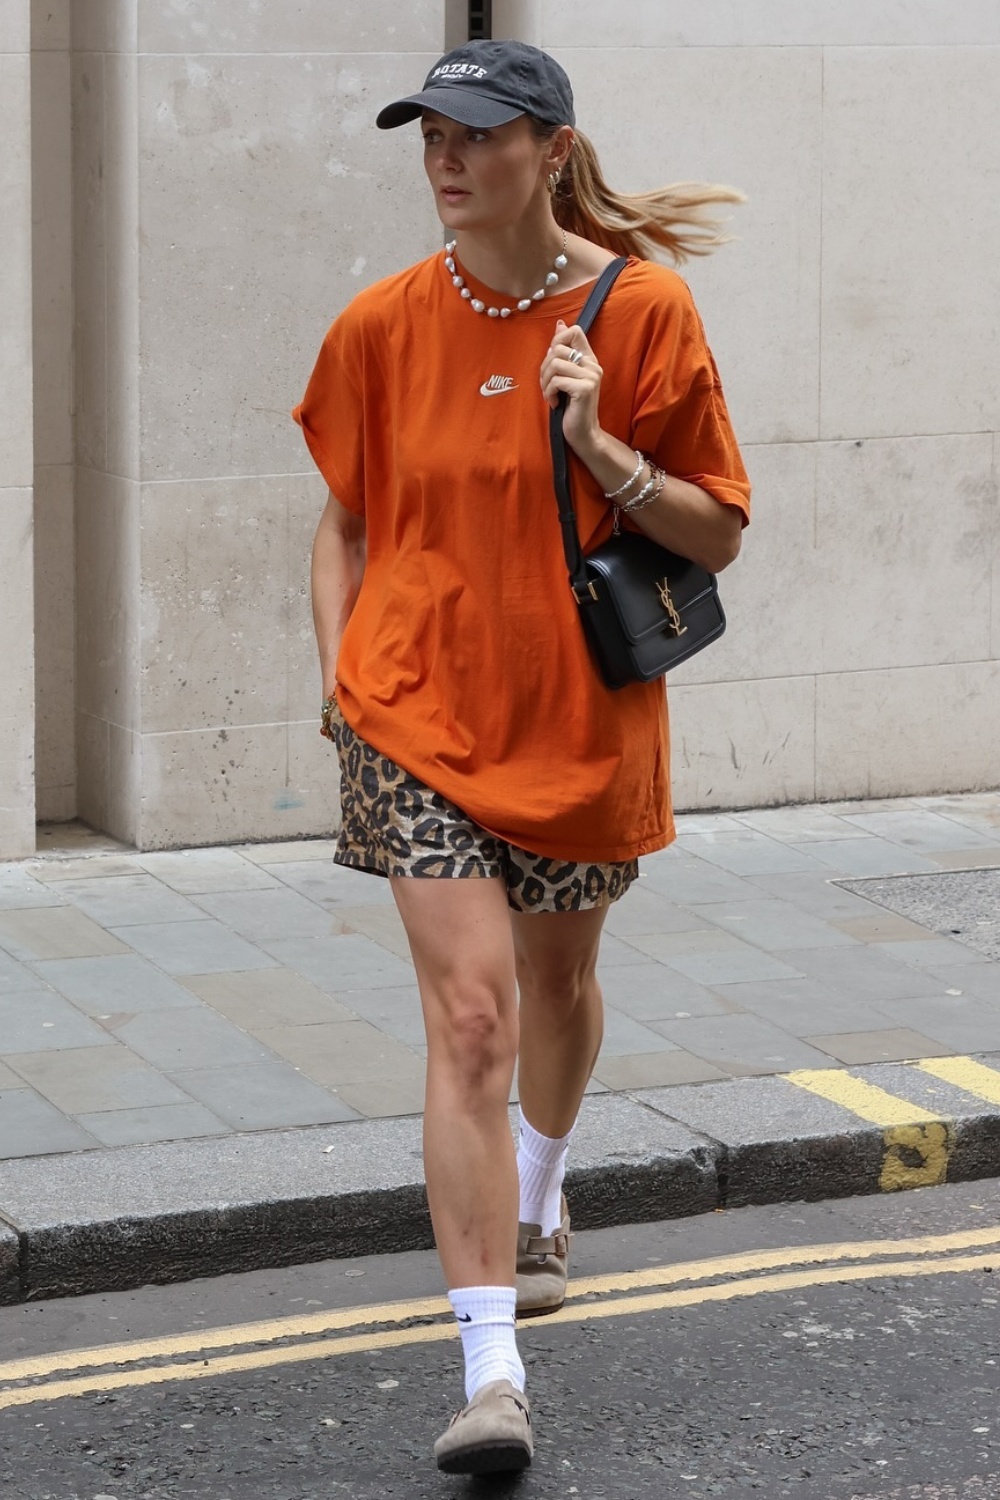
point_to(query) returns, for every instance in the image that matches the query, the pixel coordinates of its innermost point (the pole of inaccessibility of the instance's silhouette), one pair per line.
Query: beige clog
(542, 1267)
(492, 1435)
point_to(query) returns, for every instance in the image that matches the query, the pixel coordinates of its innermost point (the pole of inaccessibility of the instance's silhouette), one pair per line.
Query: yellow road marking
(917, 1142)
(863, 1099)
(974, 1077)
(229, 1364)
(764, 1260)
(915, 1156)
(197, 1341)
(399, 1338)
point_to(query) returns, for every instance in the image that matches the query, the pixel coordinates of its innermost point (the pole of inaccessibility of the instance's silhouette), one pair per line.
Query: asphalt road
(823, 1351)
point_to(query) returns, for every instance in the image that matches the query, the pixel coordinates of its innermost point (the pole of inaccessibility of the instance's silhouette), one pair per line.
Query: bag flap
(635, 571)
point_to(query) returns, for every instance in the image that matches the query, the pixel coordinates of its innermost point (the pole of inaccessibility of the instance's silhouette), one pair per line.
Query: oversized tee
(464, 659)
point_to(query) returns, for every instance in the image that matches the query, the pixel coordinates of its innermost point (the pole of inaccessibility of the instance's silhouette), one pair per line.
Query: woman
(487, 771)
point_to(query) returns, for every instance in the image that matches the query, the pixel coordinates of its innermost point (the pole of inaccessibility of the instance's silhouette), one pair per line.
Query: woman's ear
(560, 148)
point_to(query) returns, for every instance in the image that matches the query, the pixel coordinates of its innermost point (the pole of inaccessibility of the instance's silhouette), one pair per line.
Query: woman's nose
(449, 159)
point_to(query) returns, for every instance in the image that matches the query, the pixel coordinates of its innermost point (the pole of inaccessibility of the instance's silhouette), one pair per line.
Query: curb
(113, 1219)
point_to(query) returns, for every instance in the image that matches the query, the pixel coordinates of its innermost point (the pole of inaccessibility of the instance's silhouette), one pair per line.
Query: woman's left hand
(571, 366)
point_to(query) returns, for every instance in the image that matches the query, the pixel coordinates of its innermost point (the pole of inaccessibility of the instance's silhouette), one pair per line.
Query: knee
(474, 1025)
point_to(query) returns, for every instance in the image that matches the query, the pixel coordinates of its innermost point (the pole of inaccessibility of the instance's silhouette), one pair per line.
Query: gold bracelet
(325, 714)
(650, 492)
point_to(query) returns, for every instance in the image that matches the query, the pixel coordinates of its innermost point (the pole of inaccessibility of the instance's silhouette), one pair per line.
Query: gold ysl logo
(671, 608)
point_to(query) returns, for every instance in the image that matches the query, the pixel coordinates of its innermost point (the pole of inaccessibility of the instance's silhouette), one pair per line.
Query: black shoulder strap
(560, 460)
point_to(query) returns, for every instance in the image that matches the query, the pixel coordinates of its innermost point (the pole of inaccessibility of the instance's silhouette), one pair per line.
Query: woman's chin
(454, 216)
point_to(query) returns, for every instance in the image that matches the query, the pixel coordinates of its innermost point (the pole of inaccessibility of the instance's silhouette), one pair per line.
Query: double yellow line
(188, 1356)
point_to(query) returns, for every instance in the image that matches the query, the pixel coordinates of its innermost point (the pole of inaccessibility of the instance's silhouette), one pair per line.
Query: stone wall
(190, 193)
(230, 196)
(855, 324)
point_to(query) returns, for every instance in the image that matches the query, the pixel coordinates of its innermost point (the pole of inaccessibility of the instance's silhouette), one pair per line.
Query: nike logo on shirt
(497, 385)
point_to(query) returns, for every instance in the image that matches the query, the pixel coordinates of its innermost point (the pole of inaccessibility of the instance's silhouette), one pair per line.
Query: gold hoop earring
(553, 182)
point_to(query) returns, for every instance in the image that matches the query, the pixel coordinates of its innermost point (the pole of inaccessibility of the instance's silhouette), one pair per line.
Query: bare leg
(460, 938)
(562, 1013)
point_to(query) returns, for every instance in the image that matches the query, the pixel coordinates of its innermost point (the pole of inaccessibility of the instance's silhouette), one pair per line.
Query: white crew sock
(485, 1317)
(541, 1166)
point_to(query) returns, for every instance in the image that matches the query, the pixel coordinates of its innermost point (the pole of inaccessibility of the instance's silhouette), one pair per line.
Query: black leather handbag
(644, 609)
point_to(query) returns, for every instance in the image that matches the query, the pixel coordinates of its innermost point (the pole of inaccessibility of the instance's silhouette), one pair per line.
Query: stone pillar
(106, 390)
(230, 196)
(52, 298)
(17, 791)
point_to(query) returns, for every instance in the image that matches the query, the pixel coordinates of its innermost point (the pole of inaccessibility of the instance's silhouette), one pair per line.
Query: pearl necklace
(559, 264)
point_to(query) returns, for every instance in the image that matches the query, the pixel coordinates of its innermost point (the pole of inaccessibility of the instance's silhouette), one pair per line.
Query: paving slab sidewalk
(213, 1058)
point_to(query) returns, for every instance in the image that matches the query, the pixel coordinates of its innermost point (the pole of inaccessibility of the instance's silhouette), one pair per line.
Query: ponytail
(676, 219)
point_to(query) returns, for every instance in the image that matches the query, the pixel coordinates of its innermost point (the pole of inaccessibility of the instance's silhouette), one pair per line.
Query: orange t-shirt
(464, 659)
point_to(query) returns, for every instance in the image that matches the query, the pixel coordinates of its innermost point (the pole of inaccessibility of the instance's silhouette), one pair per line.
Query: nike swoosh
(505, 390)
(464, 1317)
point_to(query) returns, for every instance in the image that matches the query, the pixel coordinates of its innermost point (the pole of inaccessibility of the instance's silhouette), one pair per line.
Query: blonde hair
(676, 219)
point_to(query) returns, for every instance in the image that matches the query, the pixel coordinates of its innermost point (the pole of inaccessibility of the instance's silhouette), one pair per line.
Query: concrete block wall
(854, 321)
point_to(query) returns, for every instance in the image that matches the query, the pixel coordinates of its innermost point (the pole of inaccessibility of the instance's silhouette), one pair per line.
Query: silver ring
(575, 357)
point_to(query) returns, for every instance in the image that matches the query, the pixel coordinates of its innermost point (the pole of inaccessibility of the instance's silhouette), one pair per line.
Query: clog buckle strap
(548, 1244)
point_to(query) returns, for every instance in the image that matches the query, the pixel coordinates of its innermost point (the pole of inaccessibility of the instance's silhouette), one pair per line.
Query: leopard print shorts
(392, 824)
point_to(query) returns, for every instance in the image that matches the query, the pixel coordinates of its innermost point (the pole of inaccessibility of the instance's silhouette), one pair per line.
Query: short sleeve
(680, 418)
(333, 410)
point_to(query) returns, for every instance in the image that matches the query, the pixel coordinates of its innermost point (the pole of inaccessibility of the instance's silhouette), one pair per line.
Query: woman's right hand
(329, 710)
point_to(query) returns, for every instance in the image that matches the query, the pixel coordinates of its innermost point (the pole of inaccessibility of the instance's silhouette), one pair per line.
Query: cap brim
(461, 104)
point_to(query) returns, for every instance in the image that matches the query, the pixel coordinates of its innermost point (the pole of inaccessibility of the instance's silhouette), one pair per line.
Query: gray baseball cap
(484, 84)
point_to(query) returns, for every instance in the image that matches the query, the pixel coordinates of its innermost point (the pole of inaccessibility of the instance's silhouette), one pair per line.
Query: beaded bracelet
(649, 492)
(639, 500)
(630, 481)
